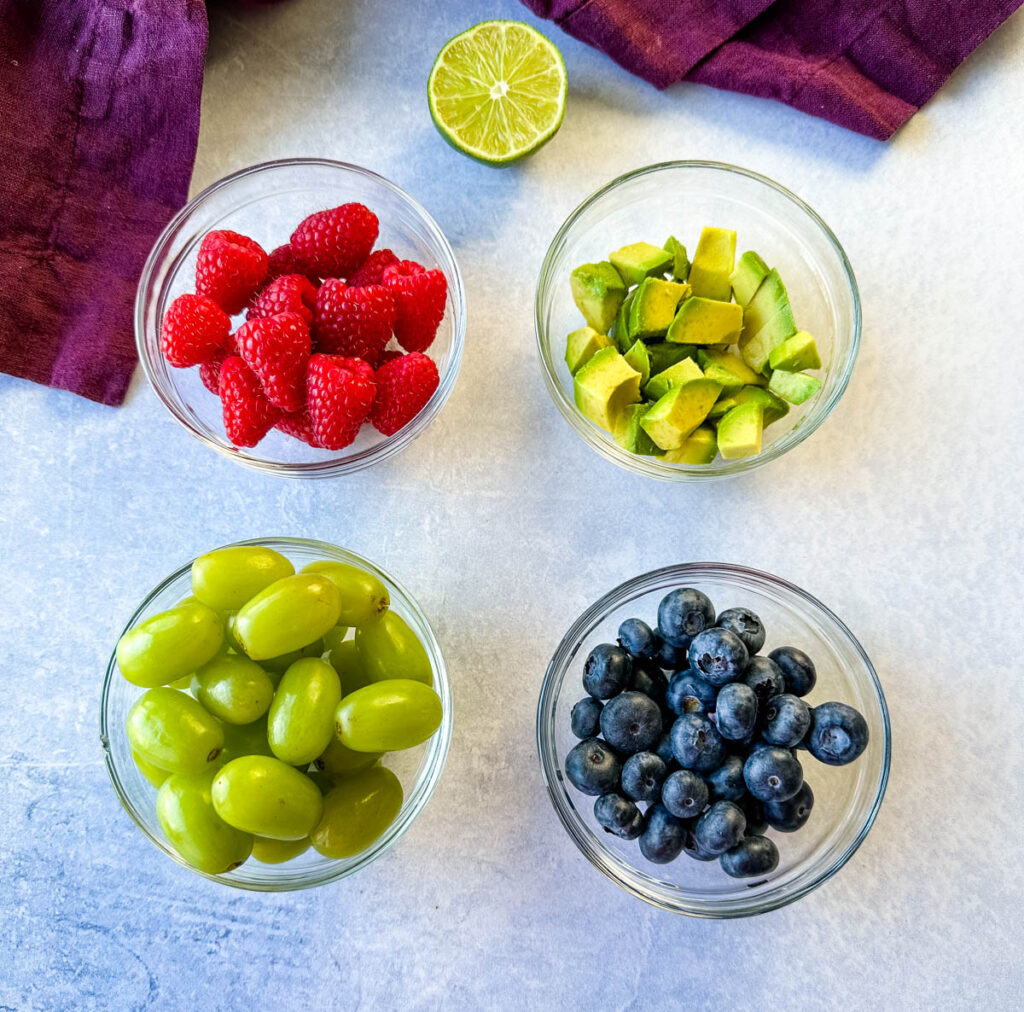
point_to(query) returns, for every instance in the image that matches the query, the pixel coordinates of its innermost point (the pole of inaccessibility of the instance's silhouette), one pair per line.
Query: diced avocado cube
(750, 271)
(639, 359)
(706, 321)
(796, 353)
(605, 386)
(680, 261)
(581, 345)
(629, 434)
(728, 369)
(767, 322)
(640, 260)
(768, 301)
(684, 371)
(663, 355)
(620, 329)
(700, 448)
(598, 291)
(739, 432)
(671, 420)
(711, 270)
(774, 408)
(795, 387)
(654, 306)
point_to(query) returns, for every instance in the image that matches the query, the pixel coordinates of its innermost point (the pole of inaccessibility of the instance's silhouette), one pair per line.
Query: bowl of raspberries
(305, 317)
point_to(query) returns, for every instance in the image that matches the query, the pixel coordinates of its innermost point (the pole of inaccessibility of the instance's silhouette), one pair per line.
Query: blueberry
(684, 794)
(692, 849)
(649, 679)
(631, 722)
(637, 638)
(789, 816)
(607, 671)
(718, 655)
(838, 734)
(797, 669)
(642, 776)
(662, 839)
(670, 657)
(757, 824)
(720, 828)
(616, 815)
(786, 720)
(585, 717)
(736, 711)
(746, 625)
(764, 676)
(689, 693)
(682, 614)
(664, 748)
(756, 855)
(593, 768)
(726, 783)
(772, 774)
(696, 743)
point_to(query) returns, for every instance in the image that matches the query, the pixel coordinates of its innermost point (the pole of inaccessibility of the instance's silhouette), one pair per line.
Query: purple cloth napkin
(867, 65)
(99, 114)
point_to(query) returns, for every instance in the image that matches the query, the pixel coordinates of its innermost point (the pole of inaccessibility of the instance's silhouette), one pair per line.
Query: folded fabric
(99, 114)
(867, 65)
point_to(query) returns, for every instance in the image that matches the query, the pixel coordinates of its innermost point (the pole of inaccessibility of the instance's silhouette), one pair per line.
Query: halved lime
(497, 91)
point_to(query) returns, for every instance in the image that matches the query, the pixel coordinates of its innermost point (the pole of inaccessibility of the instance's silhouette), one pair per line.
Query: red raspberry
(404, 385)
(229, 269)
(283, 261)
(209, 371)
(195, 328)
(339, 393)
(335, 242)
(292, 293)
(353, 321)
(299, 425)
(420, 298)
(277, 350)
(372, 271)
(248, 415)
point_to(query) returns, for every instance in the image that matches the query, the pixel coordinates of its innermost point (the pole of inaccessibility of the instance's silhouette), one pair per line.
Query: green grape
(279, 665)
(390, 649)
(301, 719)
(244, 739)
(230, 635)
(363, 596)
(268, 851)
(233, 688)
(357, 812)
(288, 615)
(153, 774)
(345, 659)
(184, 683)
(339, 762)
(184, 809)
(227, 578)
(266, 797)
(388, 716)
(170, 645)
(172, 730)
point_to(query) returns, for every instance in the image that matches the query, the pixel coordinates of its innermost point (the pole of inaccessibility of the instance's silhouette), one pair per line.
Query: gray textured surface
(902, 513)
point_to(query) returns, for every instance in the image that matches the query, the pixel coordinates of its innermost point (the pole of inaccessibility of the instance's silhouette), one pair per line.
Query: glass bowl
(847, 798)
(418, 769)
(680, 198)
(266, 202)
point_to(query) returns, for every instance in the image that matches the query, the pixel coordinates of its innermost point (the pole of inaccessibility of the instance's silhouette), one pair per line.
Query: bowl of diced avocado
(709, 353)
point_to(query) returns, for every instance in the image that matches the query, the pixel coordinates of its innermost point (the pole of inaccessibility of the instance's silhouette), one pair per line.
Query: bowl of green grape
(276, 714)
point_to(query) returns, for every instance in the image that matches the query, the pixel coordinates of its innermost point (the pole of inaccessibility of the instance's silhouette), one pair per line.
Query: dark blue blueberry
(642, 776)
(689, 693)
(692, 849)
(726, 783)
(696, 743)
(755, 855)
(789, 816)
(797, 669)
(637, 638)
(764, 676)
(718, 656)
(670, 657)
(649, 679)
(664, 747)
(682, 614)
(785, 721)
(631, 722)
(662, 838)
(616, 815)
(593, 768)
(607, 671)
(838, 734)
(757, 824)
(684, 794)
(720, 828)
(736, 711)
(772, 774)
(585, 717)
(746, 625)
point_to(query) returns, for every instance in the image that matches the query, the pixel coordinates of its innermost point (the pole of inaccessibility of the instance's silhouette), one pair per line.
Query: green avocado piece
(630, 436)
(706, 321)
(581, 345)
(654, 306)
(739, 432)
(680, 261)
(700, 448)
(795, 353)
(767, 322)
(711, 270)
(598, 291)
(795, 387)
(640, 260)
(663, 355)
(605, 386)
(671, 420)
(732, 362)
(639, 359)
(620, 329)
(774, 408)
(750, 271)
(684, 371)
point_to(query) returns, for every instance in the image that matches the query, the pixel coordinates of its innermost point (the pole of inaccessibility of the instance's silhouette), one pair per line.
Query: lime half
(497, 91)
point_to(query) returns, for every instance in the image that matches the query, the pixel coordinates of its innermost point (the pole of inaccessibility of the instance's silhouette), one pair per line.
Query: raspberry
(209, 371)
(277, 350)
(335, 242)
(229, 269)
(372, 271)
(404, 385)
(195, 328)
(248, 415)
(420, 297)
(353, 321)
(283, 261)
(339, 393)
(299, 425)
(291, 293)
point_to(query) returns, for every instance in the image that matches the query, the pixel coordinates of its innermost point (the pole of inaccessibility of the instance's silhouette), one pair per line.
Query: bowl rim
(558, 668)
(650, 466)
(330, 467)
(412, 805)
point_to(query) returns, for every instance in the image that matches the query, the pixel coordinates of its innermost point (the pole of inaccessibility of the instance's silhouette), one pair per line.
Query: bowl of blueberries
(714, 739)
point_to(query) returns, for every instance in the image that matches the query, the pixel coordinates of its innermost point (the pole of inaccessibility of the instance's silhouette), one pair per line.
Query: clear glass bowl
(418, 769)
(847, 798)
(680, 198)
(266, 202)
